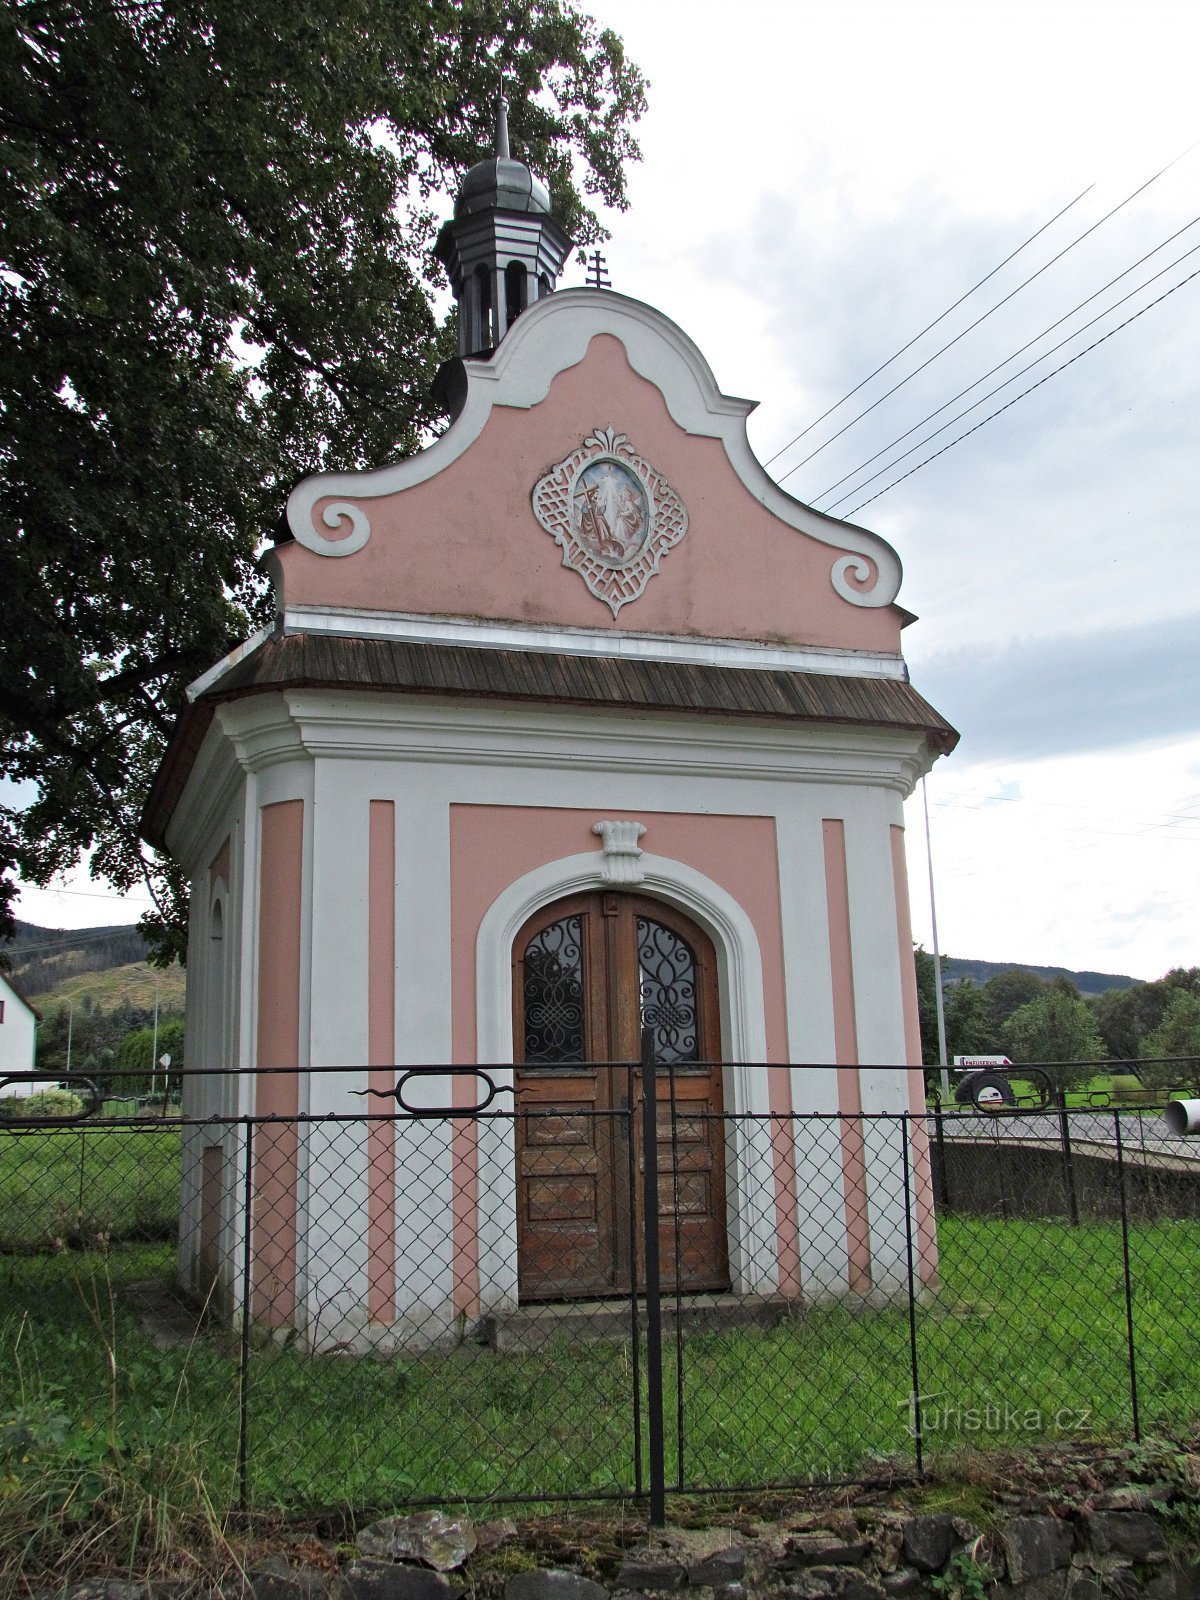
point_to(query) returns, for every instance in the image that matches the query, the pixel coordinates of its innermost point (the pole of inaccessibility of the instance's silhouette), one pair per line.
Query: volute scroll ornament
(622, 852)
(613, 515)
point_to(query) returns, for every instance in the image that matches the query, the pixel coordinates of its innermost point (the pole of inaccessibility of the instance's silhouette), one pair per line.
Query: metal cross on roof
(598, 272)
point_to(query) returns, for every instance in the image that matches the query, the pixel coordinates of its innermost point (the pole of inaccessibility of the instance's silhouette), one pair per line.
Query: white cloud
(1071, 693)
(821, 181)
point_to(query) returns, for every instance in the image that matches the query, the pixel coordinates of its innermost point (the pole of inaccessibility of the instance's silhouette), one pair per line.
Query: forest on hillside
(38, 958)
(956, 968)
(1028, 1018)
(98, 1031)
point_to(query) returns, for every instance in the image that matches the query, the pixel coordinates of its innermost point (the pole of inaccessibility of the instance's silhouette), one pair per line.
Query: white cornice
(551, 336)
(342, 724)
(473, 633)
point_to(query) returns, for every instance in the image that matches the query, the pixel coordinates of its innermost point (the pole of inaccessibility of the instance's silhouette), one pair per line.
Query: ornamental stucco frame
(752, 1220)
(615, 582)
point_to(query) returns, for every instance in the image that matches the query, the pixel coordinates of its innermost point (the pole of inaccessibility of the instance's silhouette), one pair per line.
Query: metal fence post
(914, 1368)
(654, 1376)
(1064, 1129)
(631, 1157)
(244, 1352)
(943, 1172)
(1133, 1388)
(679, 1409)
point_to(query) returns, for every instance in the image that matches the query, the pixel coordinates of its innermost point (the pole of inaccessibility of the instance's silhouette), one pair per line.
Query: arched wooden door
(587, 971)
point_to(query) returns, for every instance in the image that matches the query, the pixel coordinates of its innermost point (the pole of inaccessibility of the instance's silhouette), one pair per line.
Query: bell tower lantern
(503, 249)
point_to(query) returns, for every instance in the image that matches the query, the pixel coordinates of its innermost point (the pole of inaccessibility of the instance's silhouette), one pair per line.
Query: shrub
(1130, 1090)
(52, 1103)
(1178, 1036)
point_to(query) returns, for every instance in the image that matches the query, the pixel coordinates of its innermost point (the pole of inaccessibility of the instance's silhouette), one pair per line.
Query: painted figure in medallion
(610, 512)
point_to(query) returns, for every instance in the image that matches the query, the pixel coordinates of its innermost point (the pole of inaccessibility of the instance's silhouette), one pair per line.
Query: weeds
(90, 1489)
(965, 1578)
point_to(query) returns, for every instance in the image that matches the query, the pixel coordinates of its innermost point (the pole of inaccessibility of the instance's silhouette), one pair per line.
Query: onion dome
(500, 183)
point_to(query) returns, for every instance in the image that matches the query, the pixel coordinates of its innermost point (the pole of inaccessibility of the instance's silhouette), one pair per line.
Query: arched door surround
(751, 1217)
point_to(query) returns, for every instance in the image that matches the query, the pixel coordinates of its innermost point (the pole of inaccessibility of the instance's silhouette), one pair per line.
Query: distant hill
(109, 965)
(104, 966)
(42, 957)
(955, 969)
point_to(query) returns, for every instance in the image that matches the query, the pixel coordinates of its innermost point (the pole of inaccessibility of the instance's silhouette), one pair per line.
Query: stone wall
(1016, 1178)
(1113, 1546)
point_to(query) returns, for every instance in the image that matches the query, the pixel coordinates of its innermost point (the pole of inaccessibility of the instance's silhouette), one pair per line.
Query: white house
(18, 1038)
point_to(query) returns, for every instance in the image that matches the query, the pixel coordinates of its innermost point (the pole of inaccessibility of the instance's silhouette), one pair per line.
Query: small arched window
(514, 292)
(216, 921)
(483, 306)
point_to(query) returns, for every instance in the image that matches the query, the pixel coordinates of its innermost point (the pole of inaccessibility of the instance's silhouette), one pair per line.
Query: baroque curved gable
(672, 525)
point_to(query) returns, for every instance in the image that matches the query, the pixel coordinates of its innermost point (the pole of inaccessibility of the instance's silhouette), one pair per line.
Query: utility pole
(70, 1029)
(937, 954)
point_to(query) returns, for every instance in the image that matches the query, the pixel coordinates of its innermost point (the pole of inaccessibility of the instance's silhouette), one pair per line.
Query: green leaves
(1054, 1027)
(215, 276)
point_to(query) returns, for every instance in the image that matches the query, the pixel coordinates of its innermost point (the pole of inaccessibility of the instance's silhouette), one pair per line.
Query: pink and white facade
(585, 604)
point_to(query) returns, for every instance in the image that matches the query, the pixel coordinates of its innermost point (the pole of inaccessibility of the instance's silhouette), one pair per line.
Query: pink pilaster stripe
(381, 1056)
(786, 1197)
(281, 869)
(783, 1147)
(922, 1174)
(469, 869)
(845, 1044)
(783, 1133)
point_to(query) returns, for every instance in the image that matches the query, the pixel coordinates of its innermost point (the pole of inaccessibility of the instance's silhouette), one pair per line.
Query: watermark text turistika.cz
(935, 1413)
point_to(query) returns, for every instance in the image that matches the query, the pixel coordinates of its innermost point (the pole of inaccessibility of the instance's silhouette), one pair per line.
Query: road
(1144, 1135)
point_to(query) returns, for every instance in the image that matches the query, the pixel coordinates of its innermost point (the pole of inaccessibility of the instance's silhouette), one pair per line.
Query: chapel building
(571, 723)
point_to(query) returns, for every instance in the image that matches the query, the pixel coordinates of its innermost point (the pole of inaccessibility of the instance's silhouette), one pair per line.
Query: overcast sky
(819, 184)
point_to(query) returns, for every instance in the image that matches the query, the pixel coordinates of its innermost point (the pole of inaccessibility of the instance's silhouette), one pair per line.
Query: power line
(973, 325)
(930, 325)
(1021, 351)
(1028, 367)
(91, 894)
(15, 950)
(1010, 403)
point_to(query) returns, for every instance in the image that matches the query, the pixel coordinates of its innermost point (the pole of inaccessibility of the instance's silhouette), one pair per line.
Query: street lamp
(154, 1043)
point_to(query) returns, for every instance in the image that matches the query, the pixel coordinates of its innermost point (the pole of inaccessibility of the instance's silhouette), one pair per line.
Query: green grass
(1030, 1323)
(1102, 1091)
(72, 1186)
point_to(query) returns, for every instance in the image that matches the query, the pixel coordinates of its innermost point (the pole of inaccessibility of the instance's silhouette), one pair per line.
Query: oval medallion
(610, 513)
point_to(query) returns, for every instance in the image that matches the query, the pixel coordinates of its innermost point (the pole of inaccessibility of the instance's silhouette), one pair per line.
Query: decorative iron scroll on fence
(414, 1074)
(326, 1295)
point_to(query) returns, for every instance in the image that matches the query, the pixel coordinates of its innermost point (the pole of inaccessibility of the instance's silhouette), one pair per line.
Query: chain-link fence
(595, 1281)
